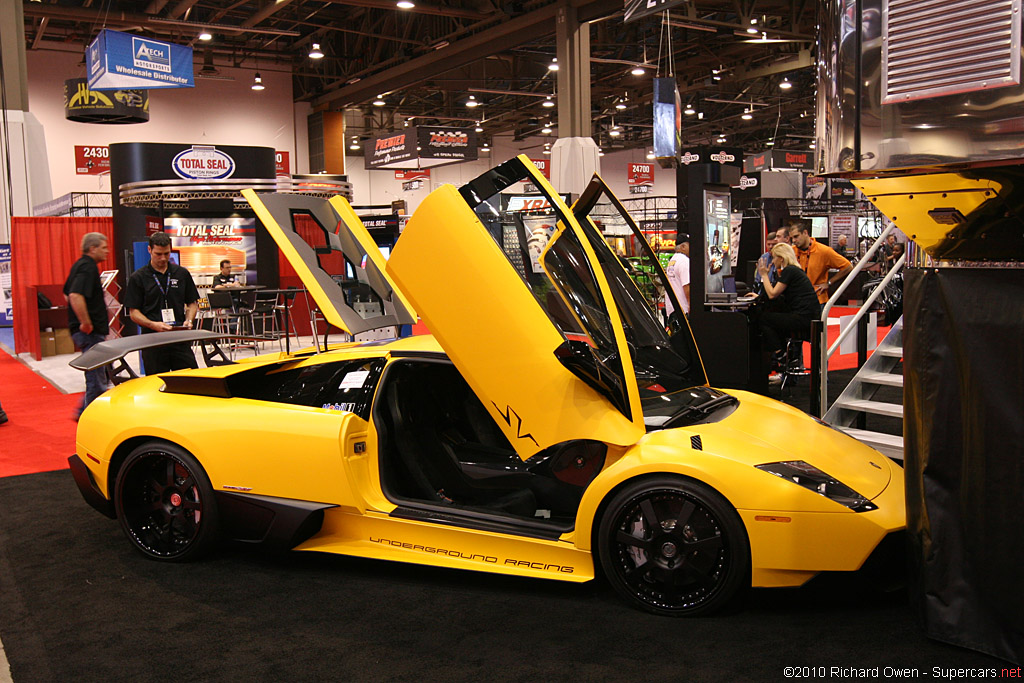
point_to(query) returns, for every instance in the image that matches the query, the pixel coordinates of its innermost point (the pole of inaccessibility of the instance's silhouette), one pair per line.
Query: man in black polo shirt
(159, 297)
(87, 310)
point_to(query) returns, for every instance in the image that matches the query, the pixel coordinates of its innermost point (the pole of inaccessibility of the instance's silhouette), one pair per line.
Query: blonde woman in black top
(796, 293)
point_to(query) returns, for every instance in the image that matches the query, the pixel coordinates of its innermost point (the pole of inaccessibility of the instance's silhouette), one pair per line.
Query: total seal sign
(203, 162)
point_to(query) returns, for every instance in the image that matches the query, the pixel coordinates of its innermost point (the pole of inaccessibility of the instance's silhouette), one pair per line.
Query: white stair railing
(826, 350)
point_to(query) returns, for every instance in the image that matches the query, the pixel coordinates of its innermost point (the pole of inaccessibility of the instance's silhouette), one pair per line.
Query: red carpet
(41, 432)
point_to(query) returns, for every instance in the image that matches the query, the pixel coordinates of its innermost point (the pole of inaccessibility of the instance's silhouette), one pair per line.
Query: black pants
(167, 358)
(776, 326)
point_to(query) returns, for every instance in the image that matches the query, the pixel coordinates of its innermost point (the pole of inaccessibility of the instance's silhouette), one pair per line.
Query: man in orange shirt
(817, 259)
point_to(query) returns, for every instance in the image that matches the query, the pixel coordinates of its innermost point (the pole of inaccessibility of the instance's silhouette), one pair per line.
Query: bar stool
(794, 364)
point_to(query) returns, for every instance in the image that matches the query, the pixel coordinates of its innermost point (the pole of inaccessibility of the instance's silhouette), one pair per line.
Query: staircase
(875, 398)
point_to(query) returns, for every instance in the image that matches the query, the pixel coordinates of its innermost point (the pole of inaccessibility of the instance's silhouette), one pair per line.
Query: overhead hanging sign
(786, 160)
(413, 174)
(640, 174)
(281, 163)
(544, 166)
(636, 9)
(116, 60)
(83, 105)
(667, 122)
(420, 147)
(92, 159)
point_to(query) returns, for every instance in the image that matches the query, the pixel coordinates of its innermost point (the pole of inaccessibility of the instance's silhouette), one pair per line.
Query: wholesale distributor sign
(116, 60)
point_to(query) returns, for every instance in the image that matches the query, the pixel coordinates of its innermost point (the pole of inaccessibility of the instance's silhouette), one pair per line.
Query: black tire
(165, 503)
(673, 546)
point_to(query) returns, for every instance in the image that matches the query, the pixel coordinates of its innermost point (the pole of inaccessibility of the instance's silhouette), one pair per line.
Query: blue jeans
(95, 380)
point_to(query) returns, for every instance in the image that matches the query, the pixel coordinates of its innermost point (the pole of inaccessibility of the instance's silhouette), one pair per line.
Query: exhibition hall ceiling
(732, 60)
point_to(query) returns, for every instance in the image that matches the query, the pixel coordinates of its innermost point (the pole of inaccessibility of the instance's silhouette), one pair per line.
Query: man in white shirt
(678, 272)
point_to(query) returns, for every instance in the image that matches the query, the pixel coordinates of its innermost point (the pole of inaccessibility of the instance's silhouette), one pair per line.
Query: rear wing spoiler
(110, 354)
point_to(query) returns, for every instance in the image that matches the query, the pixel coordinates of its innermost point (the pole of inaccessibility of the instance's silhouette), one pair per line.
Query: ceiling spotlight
(405, 4)
(316, 53)
(753, 30)
(615, 132)
(716, 77)
(548, 102)
(471, 102)
(257, 82)
(600, 152)
(753, 20)
(547, 151)
(620, 105)
(479, 128)
(553, 66)
(770, 143)
(689, 111)
(747, 115)
(785, 84)
(546, 129)
(205, 35)
(379, 102)
(355, 143)
(812, 145)
(485, 148)
(638, 71)
(405, 124)
(650, 155)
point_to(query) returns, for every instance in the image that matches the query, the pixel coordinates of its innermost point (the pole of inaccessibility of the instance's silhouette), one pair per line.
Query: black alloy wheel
(674, 546)
(165, 503)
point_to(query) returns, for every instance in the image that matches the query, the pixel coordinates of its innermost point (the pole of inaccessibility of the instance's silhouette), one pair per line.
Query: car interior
(440, 446)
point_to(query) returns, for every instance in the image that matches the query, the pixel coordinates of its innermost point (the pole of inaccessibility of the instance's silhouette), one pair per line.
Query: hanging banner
(636, 9)
(668, 122)
(785, 160)
(281, 164)
(200, 244)
(116, 60)
(754, 163)
(6, 305)
(419, 147)
(640, 174)
(413, 174)
(92, 159)
(83, 105)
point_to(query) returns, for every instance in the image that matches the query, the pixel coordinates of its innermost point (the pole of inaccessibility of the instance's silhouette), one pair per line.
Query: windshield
(665, 357)
(534, 235)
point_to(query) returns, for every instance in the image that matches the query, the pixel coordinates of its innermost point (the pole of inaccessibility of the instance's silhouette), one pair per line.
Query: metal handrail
(827, 351)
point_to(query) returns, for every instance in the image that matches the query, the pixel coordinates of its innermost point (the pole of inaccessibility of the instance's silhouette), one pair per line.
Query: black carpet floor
(78, 603)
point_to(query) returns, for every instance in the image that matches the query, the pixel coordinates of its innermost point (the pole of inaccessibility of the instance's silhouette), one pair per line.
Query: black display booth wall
(132, 162)
(964, 438)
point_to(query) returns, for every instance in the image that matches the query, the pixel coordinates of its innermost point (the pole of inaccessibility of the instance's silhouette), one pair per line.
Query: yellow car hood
(787, 433)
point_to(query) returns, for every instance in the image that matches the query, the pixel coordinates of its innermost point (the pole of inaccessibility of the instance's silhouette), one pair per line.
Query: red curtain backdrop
(43, 250)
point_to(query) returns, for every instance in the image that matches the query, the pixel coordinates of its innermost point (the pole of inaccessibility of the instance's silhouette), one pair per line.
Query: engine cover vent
(942, 47)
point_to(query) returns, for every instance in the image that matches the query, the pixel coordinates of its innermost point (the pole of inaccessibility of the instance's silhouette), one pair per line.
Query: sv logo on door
(508, 414)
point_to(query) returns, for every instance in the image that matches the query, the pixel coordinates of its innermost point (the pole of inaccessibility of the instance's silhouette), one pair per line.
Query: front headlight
(813, 479)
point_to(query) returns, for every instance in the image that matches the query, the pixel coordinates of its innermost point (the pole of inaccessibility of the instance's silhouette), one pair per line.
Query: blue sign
(116, 60)
(6, 305)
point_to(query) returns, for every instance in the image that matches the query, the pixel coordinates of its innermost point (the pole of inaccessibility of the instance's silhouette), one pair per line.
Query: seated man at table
(224, 278)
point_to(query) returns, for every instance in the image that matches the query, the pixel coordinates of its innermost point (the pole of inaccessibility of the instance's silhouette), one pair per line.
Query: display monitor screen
(717, 222)
(819, 227)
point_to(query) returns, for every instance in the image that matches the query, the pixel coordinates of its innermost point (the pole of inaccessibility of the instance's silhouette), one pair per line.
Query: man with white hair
(87, 309)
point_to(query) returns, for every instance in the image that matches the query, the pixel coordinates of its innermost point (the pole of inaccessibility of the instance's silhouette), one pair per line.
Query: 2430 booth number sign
(92, 159)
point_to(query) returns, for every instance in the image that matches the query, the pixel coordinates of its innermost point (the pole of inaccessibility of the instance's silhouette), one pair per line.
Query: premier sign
(420, 147)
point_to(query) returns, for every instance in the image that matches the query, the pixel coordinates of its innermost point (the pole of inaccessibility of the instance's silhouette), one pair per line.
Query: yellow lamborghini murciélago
(550, 425)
